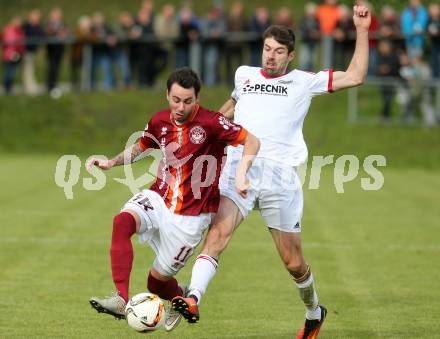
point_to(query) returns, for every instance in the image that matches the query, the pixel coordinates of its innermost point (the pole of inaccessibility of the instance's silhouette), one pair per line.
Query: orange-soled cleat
(187, 307)
(311, 328)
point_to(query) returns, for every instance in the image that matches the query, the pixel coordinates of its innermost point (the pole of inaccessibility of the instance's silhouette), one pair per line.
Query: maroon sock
(121, 251)
(164, 289)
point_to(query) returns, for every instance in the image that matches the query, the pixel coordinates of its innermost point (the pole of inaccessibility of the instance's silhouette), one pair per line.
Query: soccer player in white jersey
(272, 104)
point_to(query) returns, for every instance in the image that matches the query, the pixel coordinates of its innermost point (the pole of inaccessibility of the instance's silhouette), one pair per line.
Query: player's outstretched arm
(357, 70)
(251, 147)
(128, 156)
(228, 109)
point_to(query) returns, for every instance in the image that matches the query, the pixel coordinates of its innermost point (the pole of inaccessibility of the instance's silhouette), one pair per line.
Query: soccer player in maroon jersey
(173, 214)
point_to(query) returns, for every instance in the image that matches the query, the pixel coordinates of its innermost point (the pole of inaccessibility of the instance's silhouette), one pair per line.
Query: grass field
(100, 123)
(374, 254)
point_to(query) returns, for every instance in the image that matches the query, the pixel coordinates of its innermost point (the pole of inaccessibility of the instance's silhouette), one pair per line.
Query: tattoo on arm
(129, 155)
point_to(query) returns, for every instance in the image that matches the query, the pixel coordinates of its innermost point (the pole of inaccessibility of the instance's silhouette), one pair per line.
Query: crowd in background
(134, 50)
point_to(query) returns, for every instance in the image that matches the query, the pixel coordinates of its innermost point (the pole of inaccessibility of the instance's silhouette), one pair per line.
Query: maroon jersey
(193, 155)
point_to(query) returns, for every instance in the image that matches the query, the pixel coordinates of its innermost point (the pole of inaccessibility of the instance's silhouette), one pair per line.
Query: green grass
(374, 253)
(101, 123)
(374, 256)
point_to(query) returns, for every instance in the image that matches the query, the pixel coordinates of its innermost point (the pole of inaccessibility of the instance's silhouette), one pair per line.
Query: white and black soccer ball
(145, 312)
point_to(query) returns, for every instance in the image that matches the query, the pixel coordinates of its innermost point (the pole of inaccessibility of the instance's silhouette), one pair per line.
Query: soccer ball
(145, 312)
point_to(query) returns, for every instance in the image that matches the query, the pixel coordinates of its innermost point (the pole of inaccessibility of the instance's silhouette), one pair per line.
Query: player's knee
(295, 265)
(292, 257)
(125, 223)
(295, 270)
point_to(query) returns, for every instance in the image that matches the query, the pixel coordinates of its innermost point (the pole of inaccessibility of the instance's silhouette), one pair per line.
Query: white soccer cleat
(173, 317)
(113, 305)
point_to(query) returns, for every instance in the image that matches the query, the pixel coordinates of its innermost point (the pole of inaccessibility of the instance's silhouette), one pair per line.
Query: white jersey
(273, 109)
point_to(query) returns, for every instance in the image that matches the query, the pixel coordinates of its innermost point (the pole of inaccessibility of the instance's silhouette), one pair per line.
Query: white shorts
(173, 237)
(277, 188)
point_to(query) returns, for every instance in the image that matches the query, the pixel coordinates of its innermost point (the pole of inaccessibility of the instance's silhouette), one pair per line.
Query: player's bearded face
(275, 57)
(182, 102)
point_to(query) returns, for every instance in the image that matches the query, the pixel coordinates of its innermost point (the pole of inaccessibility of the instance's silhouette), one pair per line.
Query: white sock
(315, 314)
(203, 271)
(310, 298)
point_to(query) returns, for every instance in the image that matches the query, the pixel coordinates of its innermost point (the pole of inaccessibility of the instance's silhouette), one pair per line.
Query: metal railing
(196, 61)
(396, 83)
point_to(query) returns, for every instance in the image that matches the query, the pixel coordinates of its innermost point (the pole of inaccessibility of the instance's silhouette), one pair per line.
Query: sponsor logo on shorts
(177, 265)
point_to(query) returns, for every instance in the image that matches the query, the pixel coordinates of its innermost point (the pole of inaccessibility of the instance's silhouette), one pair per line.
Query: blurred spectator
(434, 35)
(12, 39)
(284, 17)
(121, 54)
(57, 33)
(189, 32)
(259, 23)
(388, 24)
(143, 32)
(414, 20)
(166, 28)
(82, 38)
(166, 25)
(328, 15)
(310, 35)
(343, 40)
(389, 27)
(387, 66)
(33, 31)
(213, 29)
(418, 74)
(236, 23)
(147, 6)
(102, 50)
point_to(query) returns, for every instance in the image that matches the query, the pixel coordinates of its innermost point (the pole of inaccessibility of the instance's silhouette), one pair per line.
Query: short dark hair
(282, 34)
(186, 78)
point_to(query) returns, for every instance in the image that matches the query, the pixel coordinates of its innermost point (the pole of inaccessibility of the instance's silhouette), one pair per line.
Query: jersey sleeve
(321, 82)
(238, 82)
(149, 140)
(227, 131)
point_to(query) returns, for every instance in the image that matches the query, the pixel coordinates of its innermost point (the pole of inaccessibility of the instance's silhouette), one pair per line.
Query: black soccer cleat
(311, 328)
(187, 307)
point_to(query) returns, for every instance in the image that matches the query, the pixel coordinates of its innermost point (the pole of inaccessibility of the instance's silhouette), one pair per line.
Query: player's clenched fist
(242, 185)
(361, 17)
(101, 163)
